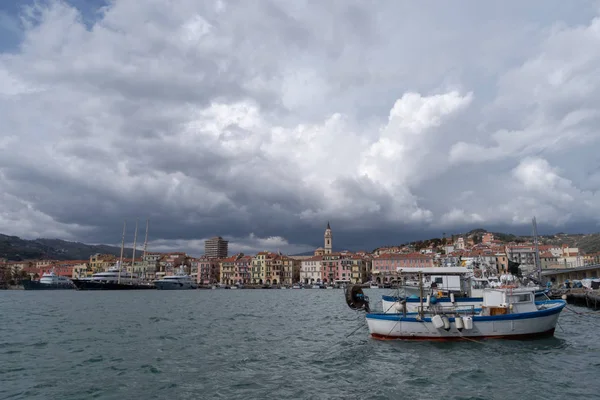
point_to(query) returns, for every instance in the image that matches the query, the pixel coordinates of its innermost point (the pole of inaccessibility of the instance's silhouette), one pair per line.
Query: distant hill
(588, 243)
(16, 249)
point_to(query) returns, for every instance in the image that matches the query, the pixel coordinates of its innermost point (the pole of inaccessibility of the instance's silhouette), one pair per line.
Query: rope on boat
(471, 340)
(566, 308)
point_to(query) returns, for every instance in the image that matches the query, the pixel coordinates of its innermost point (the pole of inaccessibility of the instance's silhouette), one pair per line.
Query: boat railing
(447, 311)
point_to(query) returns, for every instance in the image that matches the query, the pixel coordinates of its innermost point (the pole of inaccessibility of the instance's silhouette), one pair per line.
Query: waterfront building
(310, 270)
(243, 268)
(216, 247)
(208, 271)
(330, 264)
(385, 266)
(291, 270)
(101, 263)
(360, 268)
(228, 270)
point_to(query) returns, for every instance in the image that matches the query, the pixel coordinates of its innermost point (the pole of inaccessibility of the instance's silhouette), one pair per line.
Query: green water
(265, 344)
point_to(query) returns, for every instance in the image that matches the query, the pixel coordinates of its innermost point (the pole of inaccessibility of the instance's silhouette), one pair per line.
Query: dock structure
(558, 276)
(589, 299)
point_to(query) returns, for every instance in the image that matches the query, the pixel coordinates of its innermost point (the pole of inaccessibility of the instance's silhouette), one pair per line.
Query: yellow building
(100, 262)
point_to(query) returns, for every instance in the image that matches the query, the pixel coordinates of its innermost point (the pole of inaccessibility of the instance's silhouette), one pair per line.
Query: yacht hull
(174, 286)
(81, 284)
(37, 285)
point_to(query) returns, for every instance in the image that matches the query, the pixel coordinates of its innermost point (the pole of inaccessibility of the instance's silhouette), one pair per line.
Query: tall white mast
(133, 251)
(145, 265)
(122, 247)
(146, 240)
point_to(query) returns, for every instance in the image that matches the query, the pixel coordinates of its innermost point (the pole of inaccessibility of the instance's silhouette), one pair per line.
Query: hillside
(588, 243)
(16, 249)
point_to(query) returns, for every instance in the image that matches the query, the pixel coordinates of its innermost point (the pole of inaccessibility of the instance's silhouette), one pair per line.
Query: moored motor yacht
(179, 281)
(48, 281)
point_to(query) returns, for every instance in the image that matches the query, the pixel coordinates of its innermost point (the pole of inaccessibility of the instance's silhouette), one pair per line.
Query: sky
(261, 121)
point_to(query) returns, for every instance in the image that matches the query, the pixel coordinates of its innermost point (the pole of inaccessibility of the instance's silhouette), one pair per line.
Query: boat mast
(145, 248)
(537, 251)
(146, 240)
(133, 251)
(122, 247)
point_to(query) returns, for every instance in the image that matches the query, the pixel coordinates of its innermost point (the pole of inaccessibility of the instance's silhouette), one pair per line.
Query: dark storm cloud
(262, 121)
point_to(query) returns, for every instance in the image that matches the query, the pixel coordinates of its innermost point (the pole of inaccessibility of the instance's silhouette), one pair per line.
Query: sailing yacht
(117, 277)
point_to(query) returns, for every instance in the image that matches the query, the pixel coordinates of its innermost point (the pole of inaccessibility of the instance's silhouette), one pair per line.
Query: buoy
(433, 299)
(398, 307)
(428, 299)
(459, 323)
(564, 297)
(452, 298)
(437, 321)
(468, 322)
(446, 323)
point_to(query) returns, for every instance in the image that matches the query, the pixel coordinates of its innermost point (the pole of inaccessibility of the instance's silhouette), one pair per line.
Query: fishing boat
(508, 313)
(447, 287)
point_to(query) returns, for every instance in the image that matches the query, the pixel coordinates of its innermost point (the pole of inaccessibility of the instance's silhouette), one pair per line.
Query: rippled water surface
(251, 344)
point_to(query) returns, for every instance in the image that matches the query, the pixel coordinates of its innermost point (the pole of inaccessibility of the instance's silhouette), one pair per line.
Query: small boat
(233, 287)
(49, 281)
(296, 287)
(508, 313)
(373, 286)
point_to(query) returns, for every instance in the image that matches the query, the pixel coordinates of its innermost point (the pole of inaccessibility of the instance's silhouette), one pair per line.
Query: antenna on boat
(421, 293)
(537, 251)
(122, 247)
(133, 251)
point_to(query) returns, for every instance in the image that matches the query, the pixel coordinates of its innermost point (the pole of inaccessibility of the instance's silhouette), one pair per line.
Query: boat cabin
(499, 301)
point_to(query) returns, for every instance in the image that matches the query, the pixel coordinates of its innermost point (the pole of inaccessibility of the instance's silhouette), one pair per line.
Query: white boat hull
(509, 326)
(175, 285)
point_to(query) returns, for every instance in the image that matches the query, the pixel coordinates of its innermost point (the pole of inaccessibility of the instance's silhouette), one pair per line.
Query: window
(521, 298)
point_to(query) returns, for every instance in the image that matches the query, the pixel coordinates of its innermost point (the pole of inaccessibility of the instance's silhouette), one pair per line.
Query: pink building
(344, 268)
(208, 271)
(384, 267)
(243, 269)
(330, 267)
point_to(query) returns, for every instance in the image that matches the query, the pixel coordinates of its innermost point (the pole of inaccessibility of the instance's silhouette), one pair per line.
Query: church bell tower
(328, 240)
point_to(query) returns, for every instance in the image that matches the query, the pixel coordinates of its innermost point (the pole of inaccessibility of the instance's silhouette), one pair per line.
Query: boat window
(439, 280)
(521, 298)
